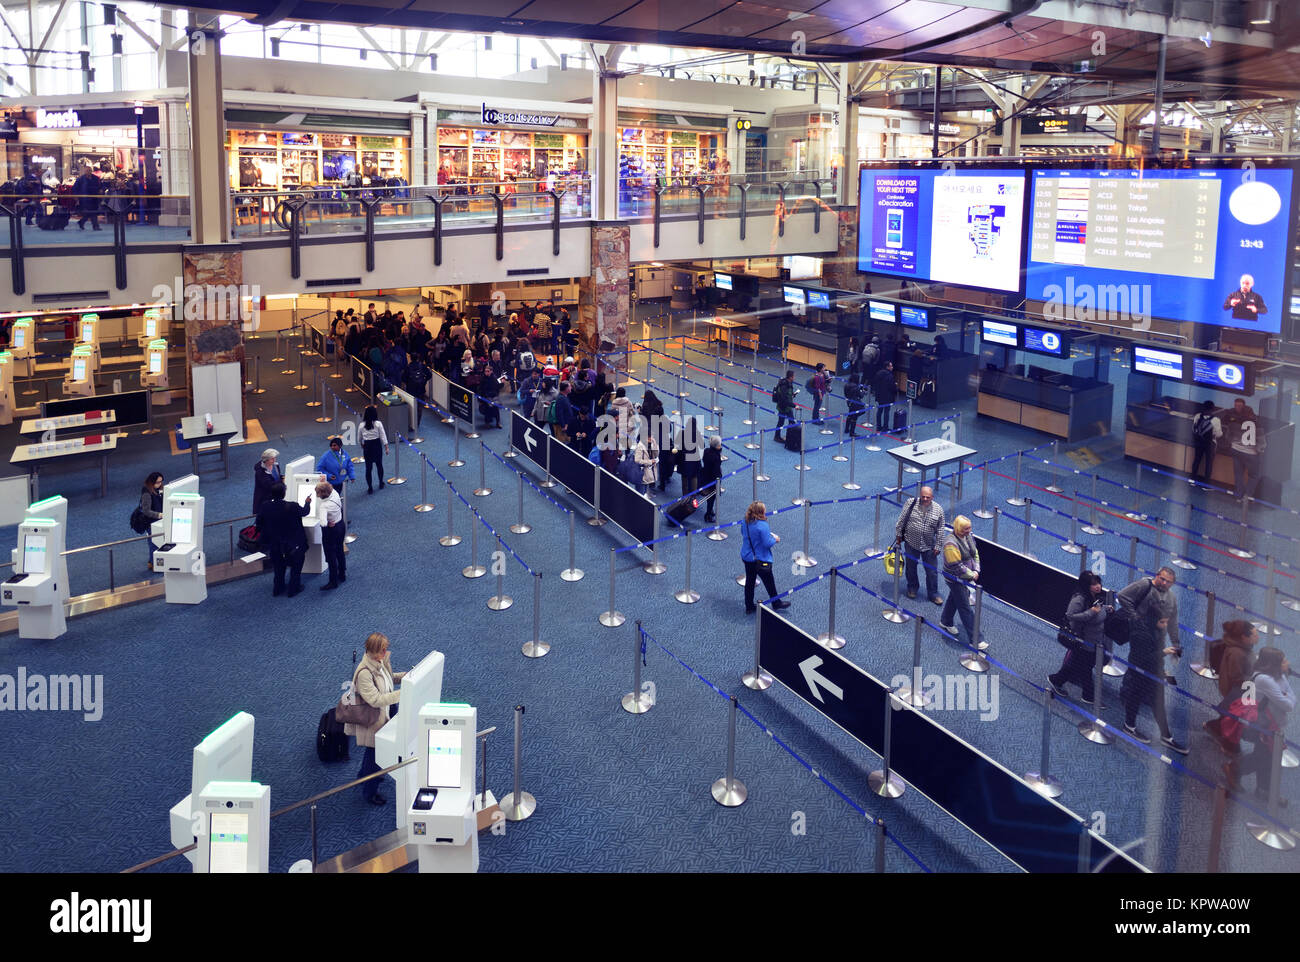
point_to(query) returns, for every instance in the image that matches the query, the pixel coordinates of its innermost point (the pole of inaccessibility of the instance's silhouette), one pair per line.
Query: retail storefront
(58, 143)
(477, 149)
(669, 149)
(802, 139)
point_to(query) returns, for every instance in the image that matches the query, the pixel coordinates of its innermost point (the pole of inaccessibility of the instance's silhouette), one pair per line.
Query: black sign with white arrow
(461, 402)
(528, 439)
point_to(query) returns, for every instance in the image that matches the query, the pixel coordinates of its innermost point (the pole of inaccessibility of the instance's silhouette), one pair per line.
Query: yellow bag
(893, 561)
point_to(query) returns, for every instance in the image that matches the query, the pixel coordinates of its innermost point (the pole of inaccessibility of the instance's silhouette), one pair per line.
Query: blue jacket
(756, 542)
(336, 468)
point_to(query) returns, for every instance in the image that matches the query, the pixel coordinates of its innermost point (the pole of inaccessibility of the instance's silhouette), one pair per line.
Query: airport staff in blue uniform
(1245, 304)
(336, 465)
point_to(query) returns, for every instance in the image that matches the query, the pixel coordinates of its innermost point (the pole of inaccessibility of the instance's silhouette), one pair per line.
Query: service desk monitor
(235, 837)
(38, 588)
(301, 485)
(441, 819)
(181, 557)
(80, 378)
(6, 387)
(225, 754)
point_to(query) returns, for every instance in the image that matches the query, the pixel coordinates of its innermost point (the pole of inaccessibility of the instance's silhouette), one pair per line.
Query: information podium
(7, 399)
(80, 378)
(301, 478)
(400, 738)
(225, 755)
(22, 345)
(235, 829)
(38, 588)
(181, 558)
(441, 820)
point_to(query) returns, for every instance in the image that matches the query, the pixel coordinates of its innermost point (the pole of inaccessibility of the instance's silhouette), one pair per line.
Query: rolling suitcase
(683, 508)
(900, 420)
(331, 742)
(793, 437)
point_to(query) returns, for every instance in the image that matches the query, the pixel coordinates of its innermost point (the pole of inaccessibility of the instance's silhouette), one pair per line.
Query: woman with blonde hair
(756, 541)
(375, 684)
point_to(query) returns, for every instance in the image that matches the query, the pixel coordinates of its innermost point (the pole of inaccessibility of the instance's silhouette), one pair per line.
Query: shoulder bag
(353, 710)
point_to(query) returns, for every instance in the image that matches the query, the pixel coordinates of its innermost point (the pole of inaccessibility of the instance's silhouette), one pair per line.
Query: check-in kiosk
(80, 378)
(6, 388)
(22, 345)
(400, 738)
(153, 374)
(181, 556)
(38, 588)
(151, 327)
(301, 478)
(88, 335)
(225, 755)
(441, 820)
(235, 836)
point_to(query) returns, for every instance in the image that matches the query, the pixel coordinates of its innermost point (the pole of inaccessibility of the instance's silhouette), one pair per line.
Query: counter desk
(1064, 406)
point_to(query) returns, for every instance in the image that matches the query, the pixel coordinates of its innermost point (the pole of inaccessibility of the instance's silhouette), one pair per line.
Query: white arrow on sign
(529, 439)
(809, 668)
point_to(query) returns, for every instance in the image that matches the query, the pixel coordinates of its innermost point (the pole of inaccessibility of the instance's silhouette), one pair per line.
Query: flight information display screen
(1148, 360)
(819, 299)
(722, 282)
(794, 295)
(955, 227)
(995, 332)
(1206, 245)
(881, 311)
(918, 317)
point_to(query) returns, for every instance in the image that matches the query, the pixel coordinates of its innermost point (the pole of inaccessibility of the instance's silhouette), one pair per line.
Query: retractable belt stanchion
(850, 484)
(279, 351)
(729, 790)
(482, 491)
(749, 422)
(351, 534)
(257, 376)
(637, 702)
(717, 534)
(654, 566)
(983, 510)
(521, 526)
(762, 475)
(830, 638)
(1202, 667)
(687, 595)
(871, 444)
(975, 660)
(500, 601)
(1041, 781)
(450, 539)
(473, 569)
(1091, 526)
(425, 504)
(1268, 833)
(913, 694)
(875, 531)
(398, 478)
(1072, 546)
(837, 456)
(757, 679)
(550, 482)
(573, 572)
(612, 618)
(1029, 524)
(518, 805)
(1095, 729)
(1015, 500)
(536, 648)
(314, 403)
(456, 461)
(1136, 513)
(805, 559)
(597, 519)
(896, 614)
(1052, 485)
(1241, 551)
(883, 781)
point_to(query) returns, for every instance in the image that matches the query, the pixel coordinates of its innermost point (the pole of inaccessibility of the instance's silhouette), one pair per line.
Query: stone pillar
(841, 270)
(603, 148)
(214, 335)
(209, 180)
(604, 298)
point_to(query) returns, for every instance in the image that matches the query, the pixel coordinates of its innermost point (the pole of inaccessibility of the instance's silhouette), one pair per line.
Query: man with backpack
(885, 387)
(853, 392)
(1144, 596)
(1206, 431)
(542, 408)
(819, 384)
(783, 397)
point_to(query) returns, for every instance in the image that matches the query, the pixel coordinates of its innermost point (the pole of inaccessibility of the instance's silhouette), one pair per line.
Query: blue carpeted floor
(615, 792)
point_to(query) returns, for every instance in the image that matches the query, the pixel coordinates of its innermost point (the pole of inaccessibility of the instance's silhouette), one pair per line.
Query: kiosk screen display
(819, 299)
(228, 843)
(997, 333)
(34, 547)
(78, 368)
(1160, 363)
(155, 362)
(182, 525)
(1224, 375)
(918, 317)
(88, 332)
(20, 335)
(794, 295)
(444, 757)
(150, 326)
(722, 282)
(880, 311)
(305, 490)
(1045, 342)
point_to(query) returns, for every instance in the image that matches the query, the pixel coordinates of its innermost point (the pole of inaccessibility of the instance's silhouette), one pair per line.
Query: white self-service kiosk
(181, 556)
(7, 399)
(235, 823)
(150, 327)
(441, 819)
(80, 378)
(88, 335)
(400, 738)
(300, 480)
(153, 373)
(225, 755)
(22, 344)
(39, 586)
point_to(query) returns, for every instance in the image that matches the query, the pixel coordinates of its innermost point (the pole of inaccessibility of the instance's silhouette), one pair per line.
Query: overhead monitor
(1042, 341)
(1295, 305)
(182, 524)
(228, 850)
(956, 227)
(882, 311)
(918, 317)
(820, 300)
(1149, 360)
(996, 332)
(1223, 375)
(794, 295)
(445, 748)
(722, 281)
(34, 551)
(1206, 245)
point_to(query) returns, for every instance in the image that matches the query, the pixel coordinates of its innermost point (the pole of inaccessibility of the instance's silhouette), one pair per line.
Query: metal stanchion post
(762, 475)
(757, 679)
(518, 805)
(595, 520)
(550, 482)
(500, 601)
(573, 572)
(829, 637)
(913, 694)
(1029, 525)
(397, 477)
(1136, 513)
(456, 461)
(482, 491)
(875, 531)
(729, 790)
(536, 648)
(322, 418)
(1095, 730)
(975, 660)
(907, 435)
(450, 539)
(749, 422)
(654, 566)
(1179, 562)
(850, 484)
(511, 453)
(1015, 500)
(686, 595)
(872, 445)
(883, 781)
(713, 409)
(521, 527)
(279, 351)
(612, 618)
(837, 456)
(1241, 551)
(806, 560)
(803, 441)
(425, 504)
(351, 536)
(983, 510)
(637, 702)
(1052, 485)
(257, 376)
(717, 534)
(896, 614)
(1091, 526)
(1072, 546)
(1268, 833)
(313, 403)
(1041, 781)
(997, 515)
(473, 569)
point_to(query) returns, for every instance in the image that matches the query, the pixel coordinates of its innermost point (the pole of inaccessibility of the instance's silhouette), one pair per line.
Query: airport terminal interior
(799, 437)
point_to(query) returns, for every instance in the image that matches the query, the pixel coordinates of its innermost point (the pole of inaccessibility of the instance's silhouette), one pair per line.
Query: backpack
(1119, 623)
(552, 415)
(1203, 429)
(811, 384)
(139, 523)
(853, 391)
(775, 399)
(526, 361)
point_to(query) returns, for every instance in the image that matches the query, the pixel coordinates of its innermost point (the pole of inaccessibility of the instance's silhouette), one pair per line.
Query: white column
(209, 183)
(846, 142)
(603, 149)
(174, 140)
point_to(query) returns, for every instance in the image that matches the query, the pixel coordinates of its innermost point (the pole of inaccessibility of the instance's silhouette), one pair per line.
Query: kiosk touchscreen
(441, 819)
(88, 336)
(400, 738)
(39, 586)
(22, 344)
(153, 373)
(6, 388)
(226, 754)
(181, 556)
(300, 480)
(80, 378)
(235, 828)
(150, 326)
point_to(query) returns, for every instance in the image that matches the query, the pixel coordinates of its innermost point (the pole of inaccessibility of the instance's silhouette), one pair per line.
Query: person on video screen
(1245, 304)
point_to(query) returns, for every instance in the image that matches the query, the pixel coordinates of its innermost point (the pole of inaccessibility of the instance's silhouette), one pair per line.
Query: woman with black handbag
(756, 541)
(150, 510)
(374, 686)
(1083, 630)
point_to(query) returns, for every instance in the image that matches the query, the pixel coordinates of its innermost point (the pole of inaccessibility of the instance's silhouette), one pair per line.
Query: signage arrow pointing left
(529, 439)
(809, 668)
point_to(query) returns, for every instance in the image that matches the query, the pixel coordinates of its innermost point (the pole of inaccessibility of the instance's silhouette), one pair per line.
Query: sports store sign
(492, 117)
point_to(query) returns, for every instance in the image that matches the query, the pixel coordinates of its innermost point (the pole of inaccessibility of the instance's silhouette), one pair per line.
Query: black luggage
(331, 743)
(900, 420)
(683, 508)
(57, 219)
(794, 437)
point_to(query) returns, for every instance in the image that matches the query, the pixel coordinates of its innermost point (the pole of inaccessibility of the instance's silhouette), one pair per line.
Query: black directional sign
(573, 471)
(528, 439)
(461, 402)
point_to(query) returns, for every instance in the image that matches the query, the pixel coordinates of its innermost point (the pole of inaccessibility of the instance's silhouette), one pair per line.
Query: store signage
(1069, 124)
(57, 120)
(512, 118)
(948, 130)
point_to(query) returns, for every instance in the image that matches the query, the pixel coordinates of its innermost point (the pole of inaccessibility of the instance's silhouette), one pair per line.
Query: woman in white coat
(374, 683)
(647, 456)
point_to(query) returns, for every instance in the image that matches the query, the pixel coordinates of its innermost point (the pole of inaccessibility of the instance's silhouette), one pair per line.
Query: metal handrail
(145, 537)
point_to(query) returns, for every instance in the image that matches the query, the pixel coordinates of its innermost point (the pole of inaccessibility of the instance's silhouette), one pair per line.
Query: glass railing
(51, 218)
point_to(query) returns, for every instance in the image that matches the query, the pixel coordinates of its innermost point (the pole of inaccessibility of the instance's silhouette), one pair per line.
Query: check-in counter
(808, 345)
(1067, 407)
(1160, 433)
(939, 380)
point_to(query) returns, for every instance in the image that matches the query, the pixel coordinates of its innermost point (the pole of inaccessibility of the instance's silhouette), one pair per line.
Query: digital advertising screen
(918, 317)
(995, 332)
(1205, 245)
(1223, 375)
(1041, 341)
(444, 758)
(1148, 360)
(956, 227)
(722, 282)
(819, 299)
(794, 295)
(882, 311)
(34, 548)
